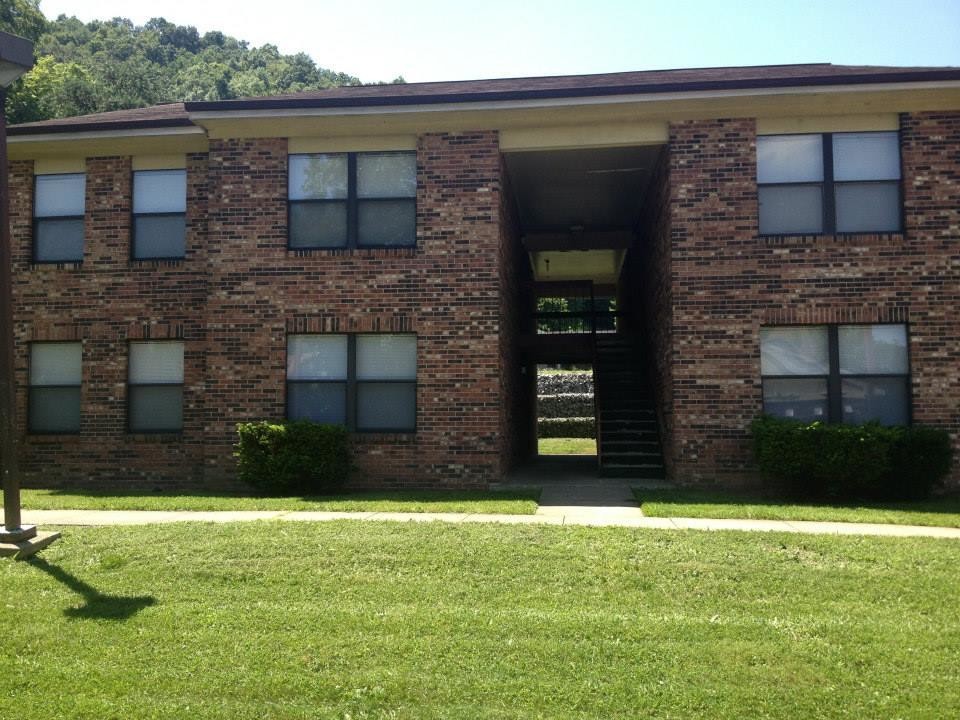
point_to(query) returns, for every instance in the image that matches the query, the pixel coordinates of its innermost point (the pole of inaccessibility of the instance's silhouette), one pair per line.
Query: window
(53, 404)
(317, 378)
(839, 373)
(386, 382)
(58, 205)
(352, 200)
(159, 214)
(366, 382)
(831, 183)
(155, 390)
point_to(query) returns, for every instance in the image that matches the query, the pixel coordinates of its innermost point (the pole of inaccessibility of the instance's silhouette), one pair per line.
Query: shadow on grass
(949, 504)
(98, 606)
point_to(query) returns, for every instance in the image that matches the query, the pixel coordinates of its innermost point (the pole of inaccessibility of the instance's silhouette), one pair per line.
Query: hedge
(576, 427)
(295, 457)
(819, 460)
(563, 383)
(565, 405)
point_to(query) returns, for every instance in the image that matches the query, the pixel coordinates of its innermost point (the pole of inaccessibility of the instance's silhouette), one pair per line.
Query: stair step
(627, 432)
(620, 424)
(628, 426)
(626, 471)
(627, 455)
(647, 461)
(634, 435)
(627, 406)
(623, 445)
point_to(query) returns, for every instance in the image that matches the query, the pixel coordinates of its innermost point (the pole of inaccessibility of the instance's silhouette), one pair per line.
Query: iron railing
(577, 322)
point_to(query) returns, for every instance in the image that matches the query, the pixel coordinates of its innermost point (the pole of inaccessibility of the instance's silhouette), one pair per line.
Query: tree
(115, 64)
(23, 18)
(53, 89)
(203, 81)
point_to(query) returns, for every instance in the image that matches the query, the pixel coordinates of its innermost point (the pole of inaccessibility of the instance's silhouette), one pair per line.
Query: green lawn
(585, 370)
(511, 503)
(567, 446)
(391, 620)
(706, 504)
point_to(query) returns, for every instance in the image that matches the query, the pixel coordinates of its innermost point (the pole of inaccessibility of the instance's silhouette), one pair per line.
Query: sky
(457, 40)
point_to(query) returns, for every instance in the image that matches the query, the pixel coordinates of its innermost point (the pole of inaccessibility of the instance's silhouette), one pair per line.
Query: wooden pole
(8, 391)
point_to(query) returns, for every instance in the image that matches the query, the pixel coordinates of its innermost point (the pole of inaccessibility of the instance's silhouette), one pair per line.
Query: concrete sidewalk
(614, 515)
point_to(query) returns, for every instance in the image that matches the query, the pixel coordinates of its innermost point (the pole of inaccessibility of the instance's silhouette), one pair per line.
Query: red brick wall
(648, 272)
(709, 284)
(931, 267)
(105, 301)
(713, 302)
(237, 295)
(727, 282)
(446, 290)
(518, 433)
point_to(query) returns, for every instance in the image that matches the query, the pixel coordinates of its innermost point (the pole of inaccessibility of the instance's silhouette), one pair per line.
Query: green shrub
(565, 405)
(578, 427)
(851, 461)
(295, 457)
(918, 462)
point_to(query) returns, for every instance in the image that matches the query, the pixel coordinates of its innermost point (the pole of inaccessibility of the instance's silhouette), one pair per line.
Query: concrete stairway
(628, 437)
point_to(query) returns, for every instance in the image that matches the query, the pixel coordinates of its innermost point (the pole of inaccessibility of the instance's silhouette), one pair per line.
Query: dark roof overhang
(520, 94)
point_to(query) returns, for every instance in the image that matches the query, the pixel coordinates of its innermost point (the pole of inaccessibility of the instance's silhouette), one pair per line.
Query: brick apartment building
(782, 238)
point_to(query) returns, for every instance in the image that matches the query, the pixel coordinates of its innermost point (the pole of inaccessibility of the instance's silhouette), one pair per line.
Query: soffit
(592, 189)
(171, 141)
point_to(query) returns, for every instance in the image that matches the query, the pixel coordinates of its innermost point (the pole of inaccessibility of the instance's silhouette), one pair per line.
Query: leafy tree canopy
(23, 18)
(113, 64)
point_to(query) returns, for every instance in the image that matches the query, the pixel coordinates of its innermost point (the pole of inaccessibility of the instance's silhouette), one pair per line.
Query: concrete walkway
(616, 515)
(570, 494)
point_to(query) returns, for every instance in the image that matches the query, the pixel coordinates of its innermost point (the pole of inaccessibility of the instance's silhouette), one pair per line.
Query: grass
(389, 620)
(566, 446)
(706, 504)
(564, 371)
(503, 502)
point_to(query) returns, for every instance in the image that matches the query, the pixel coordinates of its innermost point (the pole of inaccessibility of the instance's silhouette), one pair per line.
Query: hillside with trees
(113, 64)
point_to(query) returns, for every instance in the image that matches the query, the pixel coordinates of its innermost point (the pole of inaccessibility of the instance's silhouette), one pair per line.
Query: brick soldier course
(700, 279)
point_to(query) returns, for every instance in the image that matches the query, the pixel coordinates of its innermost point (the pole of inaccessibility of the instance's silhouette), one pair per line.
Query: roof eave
(93, 126)
(573, 92)
(201, 111)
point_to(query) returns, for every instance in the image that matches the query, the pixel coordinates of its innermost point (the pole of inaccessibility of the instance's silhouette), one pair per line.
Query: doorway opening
(566, 411)
(578, 230)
